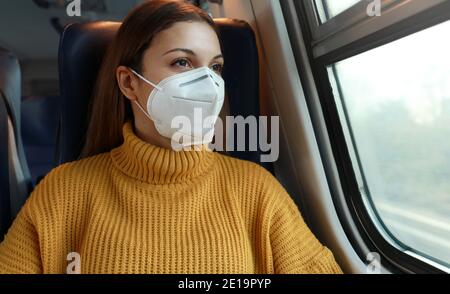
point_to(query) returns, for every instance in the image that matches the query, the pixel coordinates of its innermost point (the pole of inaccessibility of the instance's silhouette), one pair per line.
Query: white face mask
(184, 107)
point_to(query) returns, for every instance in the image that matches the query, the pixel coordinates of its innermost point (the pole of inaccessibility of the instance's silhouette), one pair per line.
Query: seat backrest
(82, 47)
(40, 119)
(15, 182)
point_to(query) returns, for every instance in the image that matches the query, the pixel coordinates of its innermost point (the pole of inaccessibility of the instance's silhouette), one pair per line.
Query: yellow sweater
(144, 209)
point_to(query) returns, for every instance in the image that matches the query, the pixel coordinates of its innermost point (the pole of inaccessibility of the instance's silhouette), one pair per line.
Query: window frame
(354, 24)
(399, 19)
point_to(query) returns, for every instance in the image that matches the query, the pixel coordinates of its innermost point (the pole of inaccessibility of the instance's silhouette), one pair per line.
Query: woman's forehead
(198, 37)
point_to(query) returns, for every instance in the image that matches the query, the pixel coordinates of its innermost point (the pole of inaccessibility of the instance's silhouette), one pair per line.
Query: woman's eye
(217, 68)
(182, 63)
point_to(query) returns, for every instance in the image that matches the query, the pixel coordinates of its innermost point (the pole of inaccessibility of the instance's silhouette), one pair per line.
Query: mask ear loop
(145, 80)
(142, 109)
(137, 102)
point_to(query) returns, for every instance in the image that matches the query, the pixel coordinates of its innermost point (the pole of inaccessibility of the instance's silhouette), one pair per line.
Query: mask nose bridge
(214, 77)
(199, 79)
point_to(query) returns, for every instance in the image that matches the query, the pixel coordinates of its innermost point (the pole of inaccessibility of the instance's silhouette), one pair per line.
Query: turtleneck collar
(156, 165)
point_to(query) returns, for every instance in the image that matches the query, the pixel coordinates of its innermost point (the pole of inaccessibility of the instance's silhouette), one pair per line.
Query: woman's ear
(128, 83)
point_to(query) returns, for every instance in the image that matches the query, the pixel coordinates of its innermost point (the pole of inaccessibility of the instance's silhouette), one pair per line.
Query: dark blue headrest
(82, 47)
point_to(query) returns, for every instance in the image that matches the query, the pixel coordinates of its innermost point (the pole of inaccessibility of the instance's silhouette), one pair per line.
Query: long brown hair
(109, 108)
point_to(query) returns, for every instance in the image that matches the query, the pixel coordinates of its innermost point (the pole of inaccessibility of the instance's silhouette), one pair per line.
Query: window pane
(397, 102)
(328, 9)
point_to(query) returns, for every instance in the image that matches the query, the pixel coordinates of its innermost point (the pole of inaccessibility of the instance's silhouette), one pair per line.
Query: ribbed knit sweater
(145, 209)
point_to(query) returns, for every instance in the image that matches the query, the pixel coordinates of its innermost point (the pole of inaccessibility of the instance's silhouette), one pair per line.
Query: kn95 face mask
(185, 107)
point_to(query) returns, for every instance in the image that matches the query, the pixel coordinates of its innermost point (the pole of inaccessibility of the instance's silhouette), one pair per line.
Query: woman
(135, 205)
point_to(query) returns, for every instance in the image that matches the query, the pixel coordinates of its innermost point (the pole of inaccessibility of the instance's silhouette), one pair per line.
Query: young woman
(135, 205)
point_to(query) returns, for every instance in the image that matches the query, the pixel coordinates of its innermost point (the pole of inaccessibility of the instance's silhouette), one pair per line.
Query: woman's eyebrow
(188, 51)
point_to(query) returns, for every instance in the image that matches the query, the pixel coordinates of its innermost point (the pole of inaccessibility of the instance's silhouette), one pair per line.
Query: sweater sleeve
(19, 251)
(295, 249)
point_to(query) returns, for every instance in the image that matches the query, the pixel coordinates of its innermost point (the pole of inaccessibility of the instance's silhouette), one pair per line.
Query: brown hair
(109, 108)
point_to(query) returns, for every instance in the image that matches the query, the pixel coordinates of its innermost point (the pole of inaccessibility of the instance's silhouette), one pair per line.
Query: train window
(376, 74)
(395, 103)
(327, 9)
